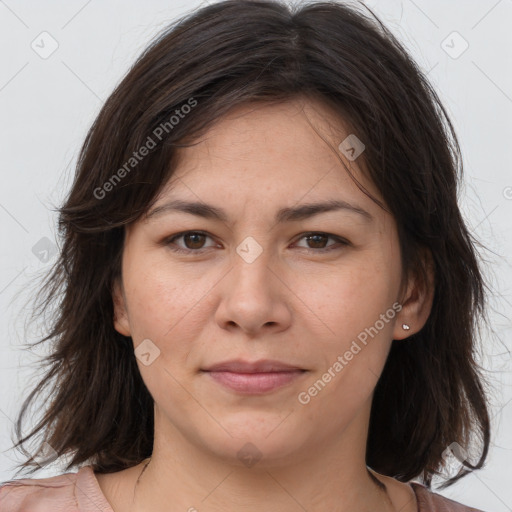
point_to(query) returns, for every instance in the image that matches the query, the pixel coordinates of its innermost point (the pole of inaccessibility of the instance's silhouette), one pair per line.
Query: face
(248, 279)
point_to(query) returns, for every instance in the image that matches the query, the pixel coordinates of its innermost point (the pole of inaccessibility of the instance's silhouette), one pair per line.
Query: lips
(262, 366)
(253, 378)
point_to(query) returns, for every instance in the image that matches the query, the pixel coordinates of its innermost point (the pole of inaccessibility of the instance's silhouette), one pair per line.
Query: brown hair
(430, 393)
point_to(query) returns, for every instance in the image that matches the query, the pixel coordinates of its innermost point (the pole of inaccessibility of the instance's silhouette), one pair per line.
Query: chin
(258, 443)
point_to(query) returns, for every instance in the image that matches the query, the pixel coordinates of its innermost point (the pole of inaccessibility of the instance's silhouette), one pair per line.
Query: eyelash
(169, 242)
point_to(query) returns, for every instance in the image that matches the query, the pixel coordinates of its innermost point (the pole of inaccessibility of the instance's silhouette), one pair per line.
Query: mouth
(253, 378)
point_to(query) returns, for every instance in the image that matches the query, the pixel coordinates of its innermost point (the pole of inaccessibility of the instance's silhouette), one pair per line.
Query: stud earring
(405, 327)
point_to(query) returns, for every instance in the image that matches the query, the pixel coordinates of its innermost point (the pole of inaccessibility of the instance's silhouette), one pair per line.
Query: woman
(267, 293)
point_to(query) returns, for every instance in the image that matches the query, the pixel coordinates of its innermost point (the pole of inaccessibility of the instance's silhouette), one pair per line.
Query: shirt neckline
(416, 487)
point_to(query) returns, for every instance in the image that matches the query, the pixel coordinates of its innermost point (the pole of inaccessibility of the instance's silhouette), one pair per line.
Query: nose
(253, 296)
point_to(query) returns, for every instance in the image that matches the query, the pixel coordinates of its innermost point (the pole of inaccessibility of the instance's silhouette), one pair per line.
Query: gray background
(47, 104)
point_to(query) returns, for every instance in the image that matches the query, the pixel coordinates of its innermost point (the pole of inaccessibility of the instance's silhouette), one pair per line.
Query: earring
(405, 327)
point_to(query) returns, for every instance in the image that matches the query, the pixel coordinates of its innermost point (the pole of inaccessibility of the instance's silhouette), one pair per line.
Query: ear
(121, 321)
(417, 300)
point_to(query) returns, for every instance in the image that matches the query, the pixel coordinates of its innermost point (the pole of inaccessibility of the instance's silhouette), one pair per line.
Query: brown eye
(193, 241)
(317, 242)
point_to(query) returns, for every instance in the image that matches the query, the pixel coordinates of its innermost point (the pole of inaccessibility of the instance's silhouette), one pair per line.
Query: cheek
(159, 297)
(161, 309)
(356, 346)
(349, 297)
(168, 306)
(349, 303)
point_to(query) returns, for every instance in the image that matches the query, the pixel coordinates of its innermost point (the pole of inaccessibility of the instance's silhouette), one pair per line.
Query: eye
(194, 241)
(319, 239)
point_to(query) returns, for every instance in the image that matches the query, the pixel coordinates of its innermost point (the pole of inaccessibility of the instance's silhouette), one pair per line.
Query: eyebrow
(287, 214)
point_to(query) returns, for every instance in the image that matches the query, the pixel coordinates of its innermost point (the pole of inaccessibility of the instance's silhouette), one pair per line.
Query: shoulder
(429, 501)
(69, 492)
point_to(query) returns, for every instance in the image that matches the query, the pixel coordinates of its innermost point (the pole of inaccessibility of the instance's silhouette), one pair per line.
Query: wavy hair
(431, 392)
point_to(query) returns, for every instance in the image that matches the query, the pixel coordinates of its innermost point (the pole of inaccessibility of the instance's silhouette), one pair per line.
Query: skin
(293, 303)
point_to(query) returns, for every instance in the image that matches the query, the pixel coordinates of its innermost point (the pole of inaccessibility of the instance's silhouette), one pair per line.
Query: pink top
(81, 492)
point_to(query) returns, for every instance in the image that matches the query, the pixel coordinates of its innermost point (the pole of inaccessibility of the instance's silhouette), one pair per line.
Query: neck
(333, 478)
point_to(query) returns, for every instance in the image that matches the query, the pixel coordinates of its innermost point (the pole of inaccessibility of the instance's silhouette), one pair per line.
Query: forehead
(267, 165)
(262, 131)
(292, 146)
